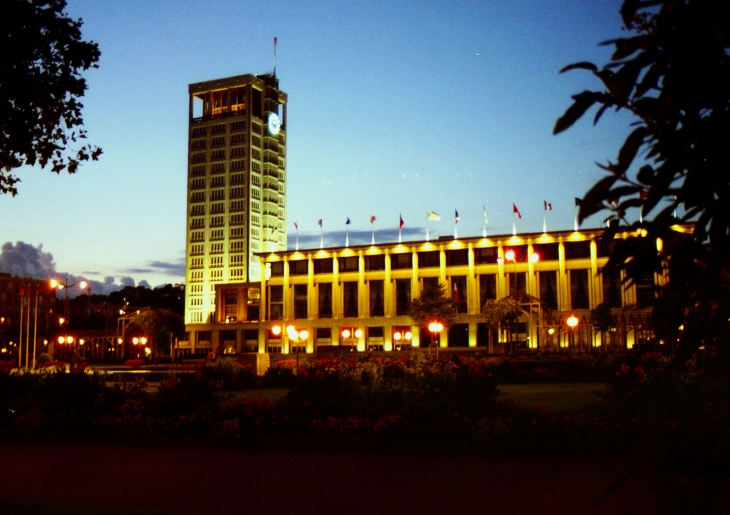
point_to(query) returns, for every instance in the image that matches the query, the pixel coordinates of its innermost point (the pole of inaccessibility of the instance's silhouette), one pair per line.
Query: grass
(559, 397)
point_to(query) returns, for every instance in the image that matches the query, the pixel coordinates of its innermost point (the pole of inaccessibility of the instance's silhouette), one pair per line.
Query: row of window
(197, 196)
(220, 128)
(235, 233)
(216, 142)
(217, 182)
(487, 284)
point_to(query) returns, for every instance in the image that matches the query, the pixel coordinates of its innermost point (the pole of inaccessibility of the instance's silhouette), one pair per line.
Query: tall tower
(236, 185)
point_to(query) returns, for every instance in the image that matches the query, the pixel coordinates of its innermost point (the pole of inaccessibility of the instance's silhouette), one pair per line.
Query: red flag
(401, 222)
(516, 211)
(296, 226)
(319, 222)
(456, 293)
(372, 219)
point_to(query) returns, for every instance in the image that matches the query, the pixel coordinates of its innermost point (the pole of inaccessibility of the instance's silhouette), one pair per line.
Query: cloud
(126, 281)
(25, 260)
(176, 269)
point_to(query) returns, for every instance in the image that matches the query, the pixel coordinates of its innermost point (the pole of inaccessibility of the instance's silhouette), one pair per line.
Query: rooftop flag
(348, 221)
(456, 216)
(319, 222)
(516, 211)
(402, 223)
(296, 226)
(373, 218)
(548, 205)
(432, 215)
(578, 201)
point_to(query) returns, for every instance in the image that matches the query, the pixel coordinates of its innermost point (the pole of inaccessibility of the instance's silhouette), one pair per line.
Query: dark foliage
(40, 79)
(433, 304)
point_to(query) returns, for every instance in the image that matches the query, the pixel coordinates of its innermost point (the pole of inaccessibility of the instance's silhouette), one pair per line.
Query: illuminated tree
(433, 304)
(40, 83)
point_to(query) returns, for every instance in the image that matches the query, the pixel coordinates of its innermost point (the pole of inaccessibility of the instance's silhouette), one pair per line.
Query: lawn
(559, 397)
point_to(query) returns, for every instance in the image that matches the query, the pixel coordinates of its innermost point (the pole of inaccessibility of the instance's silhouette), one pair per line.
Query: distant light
(572, 321)
(358, 333)
(397, 336)
(70, 339)
(276, 330)
(535, 257)
(303, 334)
(408, 335)
(143, 340)
(551, 331)
(509, 255)
(61, 339)
(346, 333)
(135, 340)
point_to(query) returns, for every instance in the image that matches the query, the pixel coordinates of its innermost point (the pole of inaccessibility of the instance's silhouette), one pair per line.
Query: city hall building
(356, 298)
(246, 293)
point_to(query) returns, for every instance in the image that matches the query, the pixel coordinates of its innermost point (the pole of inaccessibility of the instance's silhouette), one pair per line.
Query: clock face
(274, 124)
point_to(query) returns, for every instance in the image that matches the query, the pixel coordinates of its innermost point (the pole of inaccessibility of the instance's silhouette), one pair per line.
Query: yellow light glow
(61, 339)
(572, 321)
(276, 330)
(83, 285)
(408, 336)
(143, 340)
(121, 311)
(358, 333)
(61, 320)
(535, 257)
(70, 339)
(435, 327)
(303, 334)
(397, 336)
(509, 255)
(291, 331)
(54, 283)
(119, 341)
(148, 351)
(82, 341)
(135, 340)
(551, 331)
(60, 286)
(346, 333)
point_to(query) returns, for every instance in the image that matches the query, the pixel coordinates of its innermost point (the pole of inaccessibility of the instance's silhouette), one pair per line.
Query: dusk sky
(394, 107)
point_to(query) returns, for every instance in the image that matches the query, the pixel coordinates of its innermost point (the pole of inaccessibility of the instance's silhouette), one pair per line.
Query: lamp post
(57, 285)
(435, 328)
(572, 322)
(295, 336)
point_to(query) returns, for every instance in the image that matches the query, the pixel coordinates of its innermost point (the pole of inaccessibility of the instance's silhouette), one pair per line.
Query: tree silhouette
(433, 304)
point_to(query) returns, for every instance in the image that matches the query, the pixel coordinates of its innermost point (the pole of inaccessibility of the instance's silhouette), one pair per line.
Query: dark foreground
(62, 478)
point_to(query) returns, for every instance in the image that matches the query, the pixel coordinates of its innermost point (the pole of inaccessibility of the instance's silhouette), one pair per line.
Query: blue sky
(394, 108)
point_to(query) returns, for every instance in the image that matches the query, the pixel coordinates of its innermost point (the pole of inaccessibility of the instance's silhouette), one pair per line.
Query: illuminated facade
(355, 298)
(236, 184)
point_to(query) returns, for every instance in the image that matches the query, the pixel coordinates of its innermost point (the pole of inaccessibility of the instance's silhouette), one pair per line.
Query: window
(216, 248)
(237, 152)
(349, 298)
(198, 170)
(197, 196)
(645, 290)
(197, 236)
(216, 261)
(218, 195)
(238, 126)
(579, 289)
(218, 207)
(216, 234)
(277, 269)
(238, 166)
(256, 127)
(377, 309)
(457, 257)
(516, 282)
(198, 157)
(298, 267)
(577, 249)
(220, 141)
(196, 262)
(231, 304)
(487, 288)
(197, 184)
(400, 261)
(520, 253)
(196, 250)
(276, 302)
(196, 276)
(218, 155)
(219, 129)
(217, 168)
(216, 221)
(612, 288)
(237, 219)
(238, 192)
(237, 205)
(459, 294)
(218, 182)
(322, 266)
(375, 262)
(485, 256)
(348, 264)
(237, 259)
(428, 259)
(549, 289)
(197, 223)
(255, 153)
(256, 180)
(199, 144)
(238, 178)
(197, 210)
(255, 194)
(430, 282)
(237, 233)
(199, 132)
(236, 246)
(324, 335)
(300, 300)
(547, 251)
(238, 139)
(236, 273)
(324, 300)
(402, 296)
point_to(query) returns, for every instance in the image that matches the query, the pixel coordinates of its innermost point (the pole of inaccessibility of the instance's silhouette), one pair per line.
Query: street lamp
(57, 285)
(435, 328)
(572, 322)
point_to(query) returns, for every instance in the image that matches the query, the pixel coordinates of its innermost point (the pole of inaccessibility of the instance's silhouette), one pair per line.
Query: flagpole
(484, 225)
(456, 221)
(427, 227)
(514, 224)
(297, 245)
(372, 225)
(347, 233)
(321, 236)
(400, 227)
(274, 57)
